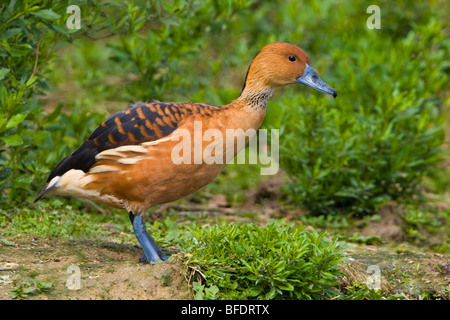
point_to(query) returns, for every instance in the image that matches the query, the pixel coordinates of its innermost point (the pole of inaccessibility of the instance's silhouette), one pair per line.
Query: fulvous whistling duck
(127, 161)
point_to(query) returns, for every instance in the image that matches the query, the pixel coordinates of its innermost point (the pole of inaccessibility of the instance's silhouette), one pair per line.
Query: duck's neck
(247, 111)
(255, 98)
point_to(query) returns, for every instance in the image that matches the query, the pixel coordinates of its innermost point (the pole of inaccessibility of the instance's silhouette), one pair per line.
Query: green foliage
(382, 134)
(157, 55)
(20, 83)
(277, 261)
(422, 218)
(422, 224)
(31, 32)
(55, 219)
(204, 293)
(360, 291)
(239, 261)
(31, 287)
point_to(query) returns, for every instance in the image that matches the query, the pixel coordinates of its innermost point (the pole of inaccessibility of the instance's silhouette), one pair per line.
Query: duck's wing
(143, 122)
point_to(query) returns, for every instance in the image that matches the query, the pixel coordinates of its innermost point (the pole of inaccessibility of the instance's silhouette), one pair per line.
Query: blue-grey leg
(152, 253)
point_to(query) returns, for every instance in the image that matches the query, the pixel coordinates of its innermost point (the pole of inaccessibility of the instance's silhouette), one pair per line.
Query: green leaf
(31, 81)
(60, 29)
(46, 14)
(44, 285)
(254, 291)
(13, 140)
(10, 33)
(3, 73)
(55, 113)
(211, 292)
(272, 293)
(29, 290)
(285, 286)
(19, 50)
(5, 173)
(2, 122)
(15, 120)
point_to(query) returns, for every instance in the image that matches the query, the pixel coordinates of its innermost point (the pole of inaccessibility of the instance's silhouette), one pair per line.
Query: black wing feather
(132, 126)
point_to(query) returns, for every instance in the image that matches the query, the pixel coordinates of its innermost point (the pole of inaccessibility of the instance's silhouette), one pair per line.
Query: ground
(38, 267)
(107, 271)
(111, 271)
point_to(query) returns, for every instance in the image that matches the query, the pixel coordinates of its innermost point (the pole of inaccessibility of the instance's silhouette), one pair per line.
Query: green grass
(30, 287)
(57, 219)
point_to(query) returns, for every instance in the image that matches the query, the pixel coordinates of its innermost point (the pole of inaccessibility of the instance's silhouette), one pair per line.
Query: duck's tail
(51, 186)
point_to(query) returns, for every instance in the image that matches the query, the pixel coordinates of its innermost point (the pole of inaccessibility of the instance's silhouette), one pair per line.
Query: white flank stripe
(104, 168)
(132, 160)
(120, 152)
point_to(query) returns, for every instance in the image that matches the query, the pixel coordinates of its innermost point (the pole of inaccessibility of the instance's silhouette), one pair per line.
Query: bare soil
(107, 270)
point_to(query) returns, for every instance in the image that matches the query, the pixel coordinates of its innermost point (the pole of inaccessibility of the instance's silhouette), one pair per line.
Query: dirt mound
(403, 270)
(70, 269)
(389, 227)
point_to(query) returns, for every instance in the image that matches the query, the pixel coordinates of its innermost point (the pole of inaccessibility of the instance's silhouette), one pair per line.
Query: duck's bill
(311, 79)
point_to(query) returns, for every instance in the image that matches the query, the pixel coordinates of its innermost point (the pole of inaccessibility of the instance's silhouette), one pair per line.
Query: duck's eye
(292, 58)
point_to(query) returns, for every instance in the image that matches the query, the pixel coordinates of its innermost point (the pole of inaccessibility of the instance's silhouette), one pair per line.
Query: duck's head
(279, 64)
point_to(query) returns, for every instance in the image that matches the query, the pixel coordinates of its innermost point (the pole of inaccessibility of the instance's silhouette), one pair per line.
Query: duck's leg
(152, 253)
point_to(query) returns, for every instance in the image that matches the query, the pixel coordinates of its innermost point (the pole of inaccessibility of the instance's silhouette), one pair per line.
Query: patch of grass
(417, 217)
(57, 219)
(326, 221)
(166, 279)
(360, 291)
(369, 240)
(28, 288)
(427, 226)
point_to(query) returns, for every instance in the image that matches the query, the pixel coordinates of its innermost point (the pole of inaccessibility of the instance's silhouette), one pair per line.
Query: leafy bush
(162, 55)
(31, 33)
(381, 135)
(277, 261)
(22, 40)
